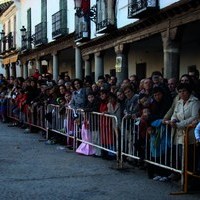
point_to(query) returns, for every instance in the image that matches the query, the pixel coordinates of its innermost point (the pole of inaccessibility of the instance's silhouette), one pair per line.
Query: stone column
(13, 69)
(171, 50)
(78, 62)
(38, 65)
(25, 68)
(99, 68)
(55, 66)
(121, 65)
(87, 65)
(21, 69)
(7, 70)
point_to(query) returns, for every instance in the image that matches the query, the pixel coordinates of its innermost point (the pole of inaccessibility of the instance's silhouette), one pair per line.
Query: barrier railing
(63, 123)
(10, 110)
(129, 136)
(192, 156)
(33, 115)
(156, 147)
(101, 132)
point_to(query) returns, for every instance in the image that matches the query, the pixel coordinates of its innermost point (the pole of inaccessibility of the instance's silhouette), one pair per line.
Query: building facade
(101, 37)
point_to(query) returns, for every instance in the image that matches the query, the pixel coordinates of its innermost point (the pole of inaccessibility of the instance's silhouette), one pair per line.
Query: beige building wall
(188, 57)
(152, 58)
(109, 60)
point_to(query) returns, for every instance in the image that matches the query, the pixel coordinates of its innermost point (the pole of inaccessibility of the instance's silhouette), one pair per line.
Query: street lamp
(25, 35)
(82, 8)
(23, 31)
(77, 4)
(2, 33)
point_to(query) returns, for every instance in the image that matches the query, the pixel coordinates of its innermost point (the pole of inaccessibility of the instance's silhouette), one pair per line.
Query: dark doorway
(141, 70)
(113, 72)
(43, 69)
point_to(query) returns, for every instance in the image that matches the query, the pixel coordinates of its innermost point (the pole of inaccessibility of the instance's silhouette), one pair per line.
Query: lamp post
(77, 4)
(23, 31)
(83, 9)
(3, 41)
(2, 33)
(27, 39)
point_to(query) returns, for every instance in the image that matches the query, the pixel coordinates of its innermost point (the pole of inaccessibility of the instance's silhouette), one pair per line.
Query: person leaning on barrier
(185, 112)
(144, 103)
(158, 108)
(185, 78)
(92, 103)
(90, 121)
(131, 103)
(121, 99)
(79, 97)
(103, 122)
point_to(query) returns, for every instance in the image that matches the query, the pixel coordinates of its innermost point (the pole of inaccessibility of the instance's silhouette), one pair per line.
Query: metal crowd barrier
(10, 107)
(33, 115)
(63, 123)
(101, 127)
(193, 159)
(130, 141)
(156, 147)
(129, 137)
(100, 131)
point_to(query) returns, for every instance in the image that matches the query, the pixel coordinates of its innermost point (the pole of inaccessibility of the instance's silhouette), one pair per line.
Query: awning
(6, 61)
(13, 58)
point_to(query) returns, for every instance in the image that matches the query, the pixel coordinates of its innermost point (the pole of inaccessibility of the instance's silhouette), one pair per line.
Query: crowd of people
(173, 102)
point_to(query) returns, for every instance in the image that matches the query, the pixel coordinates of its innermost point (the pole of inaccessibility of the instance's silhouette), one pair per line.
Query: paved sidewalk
(32, 170)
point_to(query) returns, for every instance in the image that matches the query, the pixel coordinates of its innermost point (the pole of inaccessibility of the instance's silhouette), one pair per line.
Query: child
(114, 106)
(88, 130)
(140, 142)
(197, 137)
(144, 122)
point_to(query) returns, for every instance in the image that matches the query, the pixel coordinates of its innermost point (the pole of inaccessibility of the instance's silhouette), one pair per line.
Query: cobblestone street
(30, 169)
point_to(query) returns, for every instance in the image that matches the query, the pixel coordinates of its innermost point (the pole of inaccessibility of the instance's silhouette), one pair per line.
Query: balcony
(7, 43)
(40, 36)
(82, 29)
(11, 45)
(59, 24)
(105, 26)
(142, 8)
(106, 19)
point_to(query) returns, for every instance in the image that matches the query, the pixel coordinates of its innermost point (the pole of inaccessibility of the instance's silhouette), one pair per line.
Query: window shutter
(63, 8)
(44, 20)
(29, 27)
